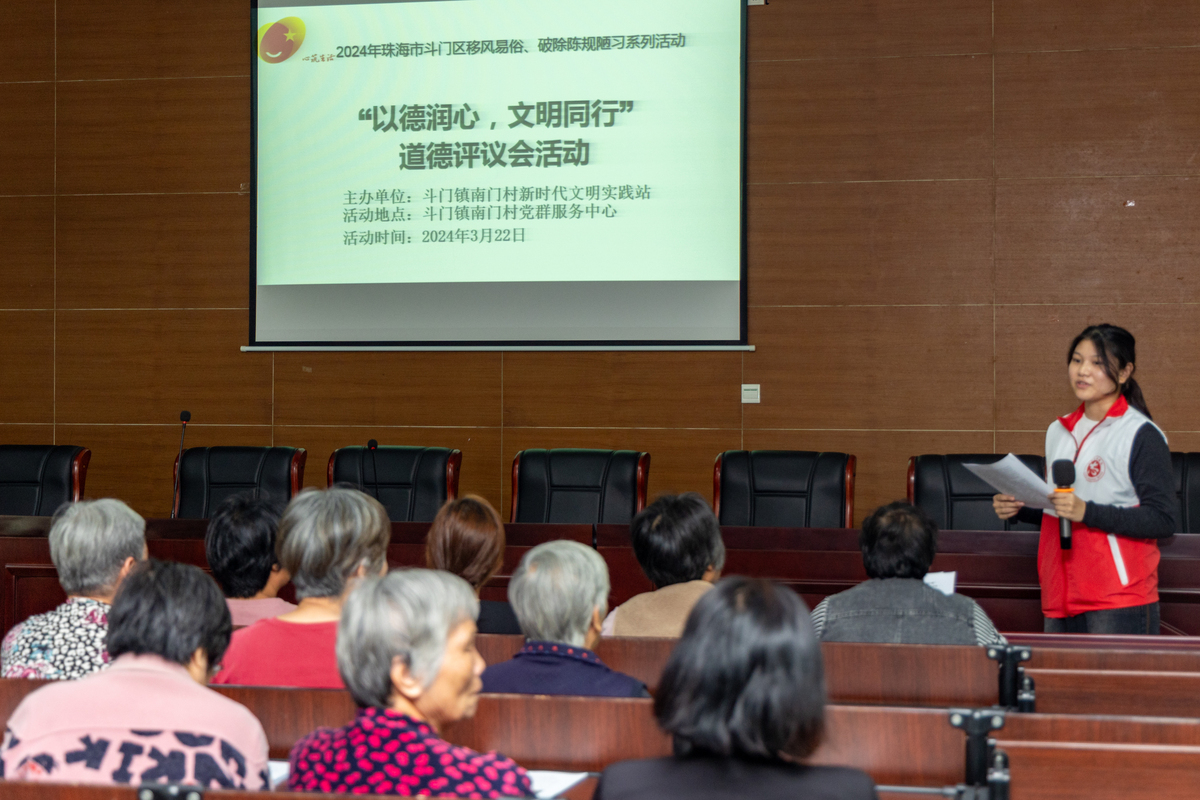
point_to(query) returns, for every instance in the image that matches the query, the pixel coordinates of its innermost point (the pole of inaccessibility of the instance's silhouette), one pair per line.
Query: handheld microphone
(372, 445)
(1063, 472)
(184, 418)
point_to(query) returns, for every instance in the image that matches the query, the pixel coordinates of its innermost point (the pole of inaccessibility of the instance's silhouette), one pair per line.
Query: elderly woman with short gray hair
(93, 544)
(406, 651)
(560, 595)
(328, 540)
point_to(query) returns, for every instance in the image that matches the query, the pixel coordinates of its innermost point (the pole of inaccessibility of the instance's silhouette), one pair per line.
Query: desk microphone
(1063, 472)
(372, 445)
(184, 418)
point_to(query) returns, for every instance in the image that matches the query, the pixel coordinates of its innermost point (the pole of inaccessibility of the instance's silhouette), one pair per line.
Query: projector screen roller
(497, 173)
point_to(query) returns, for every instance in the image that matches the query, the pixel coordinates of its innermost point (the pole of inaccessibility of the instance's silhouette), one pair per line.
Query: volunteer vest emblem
(1095, 469)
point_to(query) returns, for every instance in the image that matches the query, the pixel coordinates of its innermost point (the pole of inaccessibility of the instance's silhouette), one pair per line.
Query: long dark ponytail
(1116, 348)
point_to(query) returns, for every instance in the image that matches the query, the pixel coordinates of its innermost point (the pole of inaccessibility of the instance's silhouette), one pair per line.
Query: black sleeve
(1154, 482)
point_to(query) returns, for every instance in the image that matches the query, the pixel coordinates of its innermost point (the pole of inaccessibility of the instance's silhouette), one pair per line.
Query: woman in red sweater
(327, 540)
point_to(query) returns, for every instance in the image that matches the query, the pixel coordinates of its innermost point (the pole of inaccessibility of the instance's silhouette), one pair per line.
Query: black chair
(784, 489)
(412, 482)
(1187, 488)
(35, 479)
(579, 486)
(208, 475)
(955, 497)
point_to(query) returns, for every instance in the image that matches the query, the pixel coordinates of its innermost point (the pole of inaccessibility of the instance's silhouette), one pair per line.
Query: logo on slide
(277, 41)
(1095, 469)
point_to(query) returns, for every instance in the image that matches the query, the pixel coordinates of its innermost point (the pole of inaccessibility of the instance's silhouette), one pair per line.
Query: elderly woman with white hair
(406, 651)
(93, 544)
(560, 595)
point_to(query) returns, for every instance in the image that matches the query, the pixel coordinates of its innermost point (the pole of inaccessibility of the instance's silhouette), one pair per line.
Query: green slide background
(682, 140)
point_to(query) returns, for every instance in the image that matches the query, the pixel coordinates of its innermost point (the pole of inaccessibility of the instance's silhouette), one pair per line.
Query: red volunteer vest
(1101, 570)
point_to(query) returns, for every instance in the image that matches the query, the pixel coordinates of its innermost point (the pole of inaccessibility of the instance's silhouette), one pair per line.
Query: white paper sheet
(944, 582)
(277, 771)
(549, 783)
(1010, 476)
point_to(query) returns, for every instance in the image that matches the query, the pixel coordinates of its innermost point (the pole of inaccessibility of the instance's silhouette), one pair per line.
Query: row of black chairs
(765, 488)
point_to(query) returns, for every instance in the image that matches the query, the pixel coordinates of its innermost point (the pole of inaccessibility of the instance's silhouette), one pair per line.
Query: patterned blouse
(385, 752)
(62, 644)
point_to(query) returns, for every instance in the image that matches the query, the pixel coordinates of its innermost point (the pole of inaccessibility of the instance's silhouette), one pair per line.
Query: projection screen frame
(254, 345)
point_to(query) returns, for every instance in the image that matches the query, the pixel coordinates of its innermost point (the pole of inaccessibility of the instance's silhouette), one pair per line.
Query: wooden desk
(900, 746)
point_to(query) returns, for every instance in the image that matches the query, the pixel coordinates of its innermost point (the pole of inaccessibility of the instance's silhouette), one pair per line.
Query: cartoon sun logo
(277, 41)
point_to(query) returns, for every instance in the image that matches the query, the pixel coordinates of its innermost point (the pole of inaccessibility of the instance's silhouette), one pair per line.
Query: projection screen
(498, 173)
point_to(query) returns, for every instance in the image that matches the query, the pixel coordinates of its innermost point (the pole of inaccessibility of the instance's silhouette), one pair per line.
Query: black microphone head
(185, 416)
(372, 444)
(1063, 472)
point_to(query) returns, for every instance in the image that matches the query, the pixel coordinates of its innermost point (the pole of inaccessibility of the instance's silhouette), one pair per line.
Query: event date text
(473, 235)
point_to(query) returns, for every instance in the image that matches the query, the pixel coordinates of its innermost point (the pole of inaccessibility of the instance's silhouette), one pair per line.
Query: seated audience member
(467, 539)
(93, 544)
(328, 539)
(896, 606)
(677, 541)
(560, 593)
(167, 628)
(406, 649)
(240, 548)
(743, 695)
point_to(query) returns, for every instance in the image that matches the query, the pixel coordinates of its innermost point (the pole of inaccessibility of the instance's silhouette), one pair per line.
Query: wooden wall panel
(26, 138)
(27, 41)
(864, 367)
(1098, 240)
(1031, 361)
(135, 462)
(26, 434)
(870, 243)
(27, 252)
(146, 366)
(1096, 25)
(153, 251)
(154, 136)
(481, 465)
(1121, 112)
(441, 389)
(606, 390)
(27, 366)
(882, 455)
(932, 217)
(806, 30)
(869, 119)
(153, 39)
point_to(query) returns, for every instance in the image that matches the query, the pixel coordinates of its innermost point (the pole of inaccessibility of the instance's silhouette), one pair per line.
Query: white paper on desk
(277, 772)
(942, 581)
(1010, 476)
(549, 783)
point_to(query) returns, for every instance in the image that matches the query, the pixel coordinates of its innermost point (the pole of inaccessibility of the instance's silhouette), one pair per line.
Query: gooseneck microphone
(184, 418)
(1063, 472)
(372, 445)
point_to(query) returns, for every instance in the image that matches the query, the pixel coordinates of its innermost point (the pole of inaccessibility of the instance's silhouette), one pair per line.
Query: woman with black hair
(149, 717)
(743, 695)
(1123, 500)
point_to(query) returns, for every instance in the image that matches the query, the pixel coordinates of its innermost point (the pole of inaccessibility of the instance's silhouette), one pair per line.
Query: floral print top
(63, 644)
(385, 752)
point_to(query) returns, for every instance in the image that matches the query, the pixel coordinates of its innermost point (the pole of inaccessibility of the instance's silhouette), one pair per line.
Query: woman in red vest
(1123, 500)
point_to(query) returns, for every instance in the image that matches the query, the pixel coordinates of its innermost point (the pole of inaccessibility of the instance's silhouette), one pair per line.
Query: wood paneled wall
(941, 193)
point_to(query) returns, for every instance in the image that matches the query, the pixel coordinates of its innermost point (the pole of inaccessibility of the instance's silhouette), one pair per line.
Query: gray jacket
(902, 611)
